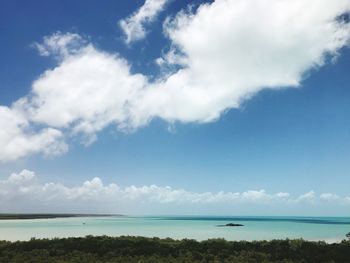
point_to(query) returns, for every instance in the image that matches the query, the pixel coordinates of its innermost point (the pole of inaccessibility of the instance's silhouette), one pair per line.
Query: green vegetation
(141, 249)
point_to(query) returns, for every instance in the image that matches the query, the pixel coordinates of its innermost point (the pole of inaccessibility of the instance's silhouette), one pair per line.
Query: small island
(230, 224)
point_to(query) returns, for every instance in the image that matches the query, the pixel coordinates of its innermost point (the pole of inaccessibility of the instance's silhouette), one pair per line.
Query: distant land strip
(49, 216)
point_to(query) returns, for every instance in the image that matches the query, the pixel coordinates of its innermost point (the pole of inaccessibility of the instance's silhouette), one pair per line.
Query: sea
(329, 229)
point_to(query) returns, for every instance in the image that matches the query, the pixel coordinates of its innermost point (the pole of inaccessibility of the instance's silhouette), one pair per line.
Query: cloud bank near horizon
(226, 52)
(30, 194)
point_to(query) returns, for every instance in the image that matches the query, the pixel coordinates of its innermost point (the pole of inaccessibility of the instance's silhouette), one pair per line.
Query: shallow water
(330, 229)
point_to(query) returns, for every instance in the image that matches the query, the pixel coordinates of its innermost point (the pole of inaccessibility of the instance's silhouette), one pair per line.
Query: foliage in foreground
(141, 249)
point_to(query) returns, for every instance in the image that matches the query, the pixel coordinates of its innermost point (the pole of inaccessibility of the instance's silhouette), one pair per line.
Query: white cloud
(60, 45)
(227, 51)
(282, 195)
(87, 91)
(347, 199)
(30, 194)
(329, 196)
(233, 49)
(134, 25)
(22, 177)
(308, 197)
(255, 195)
(17, 139)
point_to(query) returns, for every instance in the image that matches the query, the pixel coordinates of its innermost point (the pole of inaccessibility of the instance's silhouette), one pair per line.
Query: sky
(226, 107)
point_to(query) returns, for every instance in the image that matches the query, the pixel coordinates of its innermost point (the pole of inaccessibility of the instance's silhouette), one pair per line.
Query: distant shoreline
(49, 216)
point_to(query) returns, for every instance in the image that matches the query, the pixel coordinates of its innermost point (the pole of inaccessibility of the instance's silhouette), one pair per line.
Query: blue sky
(281, 125)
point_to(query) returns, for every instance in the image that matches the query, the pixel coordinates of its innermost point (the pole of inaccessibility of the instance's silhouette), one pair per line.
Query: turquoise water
(255, 228)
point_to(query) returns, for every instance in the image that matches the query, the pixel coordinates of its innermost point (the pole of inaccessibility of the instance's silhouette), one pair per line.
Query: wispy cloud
(134, 25)
(60, 45)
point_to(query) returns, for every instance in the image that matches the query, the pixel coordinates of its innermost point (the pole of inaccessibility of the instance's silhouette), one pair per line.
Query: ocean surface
(329, 229)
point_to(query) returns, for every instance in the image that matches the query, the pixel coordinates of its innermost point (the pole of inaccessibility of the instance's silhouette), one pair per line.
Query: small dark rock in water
(231, 224)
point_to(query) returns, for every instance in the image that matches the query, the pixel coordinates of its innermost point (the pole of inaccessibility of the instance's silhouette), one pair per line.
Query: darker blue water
(308, 220)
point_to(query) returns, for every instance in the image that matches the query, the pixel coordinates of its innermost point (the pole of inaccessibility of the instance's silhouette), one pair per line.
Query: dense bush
(141, 249)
